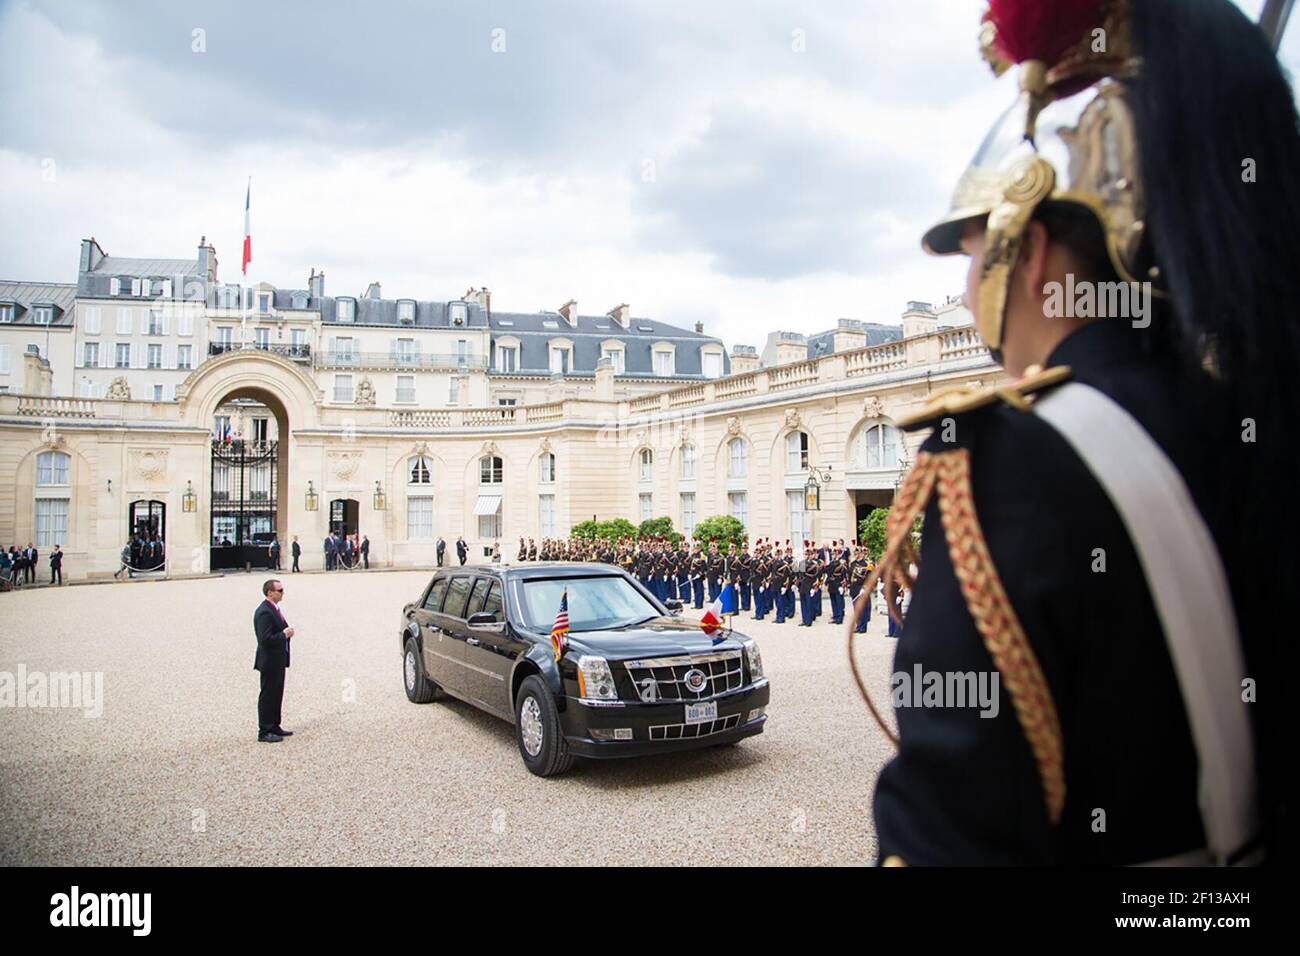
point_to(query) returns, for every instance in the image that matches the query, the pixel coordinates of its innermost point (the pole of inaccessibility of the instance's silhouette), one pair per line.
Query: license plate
(702, 713)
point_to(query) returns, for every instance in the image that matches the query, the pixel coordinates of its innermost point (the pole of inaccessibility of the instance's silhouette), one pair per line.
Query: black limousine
(634, 679)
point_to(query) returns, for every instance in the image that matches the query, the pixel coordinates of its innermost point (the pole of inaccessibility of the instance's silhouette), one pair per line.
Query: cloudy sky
(755, 165)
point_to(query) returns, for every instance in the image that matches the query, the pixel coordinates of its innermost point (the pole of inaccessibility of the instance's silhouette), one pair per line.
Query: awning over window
(487, 505)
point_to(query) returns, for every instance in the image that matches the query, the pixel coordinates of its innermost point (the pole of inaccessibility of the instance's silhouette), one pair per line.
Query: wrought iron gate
(244, 497)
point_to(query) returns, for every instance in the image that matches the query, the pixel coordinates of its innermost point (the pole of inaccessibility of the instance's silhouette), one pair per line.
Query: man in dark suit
(297, 553)
(56, 566)
(275, 554)
(331, 551)
(365, 551)
(462, 550)
(32, 557)
(442, 550)
(272, 660)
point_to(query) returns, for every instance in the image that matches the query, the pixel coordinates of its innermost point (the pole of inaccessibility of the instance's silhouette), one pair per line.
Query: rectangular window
(264, 302)
(647, 506)
(663, 363)
(220, 425)
(185, 356)
(262, 337)
(419, 518)
(342, 388)
(225, 335)
(155, 356)
(507, 358)
(547, 469)
(406, 388)
(155, 324)
(404, 351)
(738, 502)
(346, 310)
(688, 513)
(712, 364)
(51, 522)
(44, 315)
(122, 355)
(738, 458)
(93, 320)
(453, 390)
(406, 312)
(90, 355)
(559, 360)
(261, 428)
(6, 313)
(157, 393)
(462, 351)
(507, 402)
(489, 526)
(123, 321)
(796, 452)
(52, 468)
(688, 463)
(546, 515)
(796, 516)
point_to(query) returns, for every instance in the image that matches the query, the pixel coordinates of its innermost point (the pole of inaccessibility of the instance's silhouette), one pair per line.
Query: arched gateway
(247, 496)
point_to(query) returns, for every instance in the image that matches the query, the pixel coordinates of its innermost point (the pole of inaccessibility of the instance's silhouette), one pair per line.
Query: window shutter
(115, 286)
(166, 323)
(104, 357)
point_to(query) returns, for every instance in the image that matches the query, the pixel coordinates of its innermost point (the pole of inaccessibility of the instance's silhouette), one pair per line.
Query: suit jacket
(272, 645)
(297, 549)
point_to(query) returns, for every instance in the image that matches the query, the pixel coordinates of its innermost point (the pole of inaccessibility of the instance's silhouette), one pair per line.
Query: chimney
(482, 298)
(605, 380)
(850, 334)
(373, 291)
(782, 348)
(570, 312)
(621, 314)
(919, 319)
(744, 358)
(316, 285)
(91, 254)
(207, 261)
(699, 328)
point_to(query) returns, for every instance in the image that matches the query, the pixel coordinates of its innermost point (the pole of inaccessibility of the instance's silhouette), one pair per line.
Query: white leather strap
(1190, 590)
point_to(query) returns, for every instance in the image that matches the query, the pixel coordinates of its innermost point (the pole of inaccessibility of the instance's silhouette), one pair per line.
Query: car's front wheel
(537, 728)
(419, 689)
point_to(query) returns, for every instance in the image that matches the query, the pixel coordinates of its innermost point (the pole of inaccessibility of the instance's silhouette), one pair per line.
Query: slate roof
(823, 343)
(25, 295)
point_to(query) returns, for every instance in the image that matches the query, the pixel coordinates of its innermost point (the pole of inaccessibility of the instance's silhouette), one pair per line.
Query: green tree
(871, 532)
(658, 528)
(723, 529)
(615, 528)
(584, 529)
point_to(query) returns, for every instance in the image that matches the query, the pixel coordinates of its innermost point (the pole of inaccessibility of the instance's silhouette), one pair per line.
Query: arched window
(421, 471)
(881, 446)
(647, 464)
(546, 467)
(52, 468)
(737, 458)
(489, 470)
(688, 463)
(796, 452)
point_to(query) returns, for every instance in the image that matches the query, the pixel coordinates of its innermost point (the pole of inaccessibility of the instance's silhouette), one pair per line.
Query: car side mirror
(481, 619)
(674, 606)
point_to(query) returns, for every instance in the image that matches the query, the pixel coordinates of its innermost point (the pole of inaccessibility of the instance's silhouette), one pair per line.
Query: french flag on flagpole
(248, 229)
(723, 607)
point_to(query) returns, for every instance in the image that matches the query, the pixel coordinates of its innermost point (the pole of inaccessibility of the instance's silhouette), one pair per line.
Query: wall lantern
(312, 500)
(812, 489)
(379, 501)
(187, 499)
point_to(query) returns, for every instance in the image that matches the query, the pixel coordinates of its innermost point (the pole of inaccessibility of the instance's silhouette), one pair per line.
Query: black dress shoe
(282, 732)
(269, 738)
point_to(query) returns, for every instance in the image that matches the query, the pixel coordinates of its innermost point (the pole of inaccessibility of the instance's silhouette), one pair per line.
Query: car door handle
(473, 640)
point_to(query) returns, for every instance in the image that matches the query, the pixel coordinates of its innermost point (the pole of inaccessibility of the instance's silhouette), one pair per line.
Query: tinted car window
(594, 603)
(434, 601)
(456, 594)
(492, 605)
(476, 597)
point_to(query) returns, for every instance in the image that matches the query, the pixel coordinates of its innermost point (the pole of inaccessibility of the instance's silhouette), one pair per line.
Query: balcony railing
(300, 353)
(404, 360)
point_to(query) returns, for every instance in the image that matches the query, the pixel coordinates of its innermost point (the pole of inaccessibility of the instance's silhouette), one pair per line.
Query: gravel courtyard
(171, 773)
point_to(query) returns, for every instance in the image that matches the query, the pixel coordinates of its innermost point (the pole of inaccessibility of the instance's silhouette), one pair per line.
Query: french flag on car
(723, 607)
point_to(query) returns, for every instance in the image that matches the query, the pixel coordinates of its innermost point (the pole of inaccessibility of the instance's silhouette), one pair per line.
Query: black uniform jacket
(272, 645)
(965, 789)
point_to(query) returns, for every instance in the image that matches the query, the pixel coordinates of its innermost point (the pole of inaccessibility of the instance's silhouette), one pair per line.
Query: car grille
(664, 678)
(691, 731)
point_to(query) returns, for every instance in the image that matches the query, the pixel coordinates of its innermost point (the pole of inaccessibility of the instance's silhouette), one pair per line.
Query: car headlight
(754, 659)
(595, 680)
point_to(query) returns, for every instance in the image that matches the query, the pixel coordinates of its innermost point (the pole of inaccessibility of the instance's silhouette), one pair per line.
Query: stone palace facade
(214, 416)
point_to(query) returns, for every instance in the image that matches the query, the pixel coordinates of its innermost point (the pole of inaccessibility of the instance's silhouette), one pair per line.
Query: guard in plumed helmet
(1108, 540)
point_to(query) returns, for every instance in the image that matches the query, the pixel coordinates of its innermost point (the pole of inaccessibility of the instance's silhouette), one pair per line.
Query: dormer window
(44, 314)
(299, 300)
(6, 312)
(346, 310)
(712, 364)
(263, 302)
(406, 311)
(458, 314)
(664, 360)
(124, 285)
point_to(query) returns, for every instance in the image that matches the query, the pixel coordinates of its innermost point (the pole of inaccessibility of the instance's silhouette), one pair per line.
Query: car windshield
(595, 603)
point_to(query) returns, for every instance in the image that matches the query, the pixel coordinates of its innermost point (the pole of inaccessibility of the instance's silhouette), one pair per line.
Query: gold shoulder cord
(986, 599)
